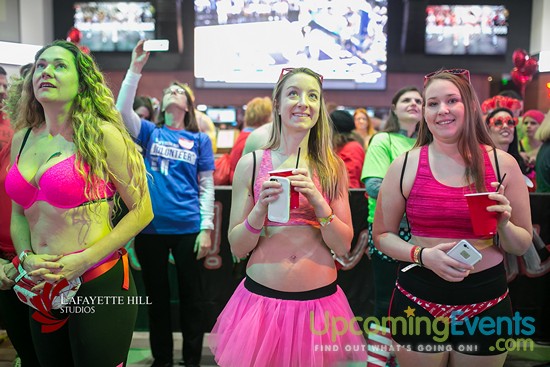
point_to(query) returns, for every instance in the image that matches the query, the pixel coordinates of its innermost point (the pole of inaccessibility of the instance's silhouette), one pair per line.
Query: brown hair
(473, 134)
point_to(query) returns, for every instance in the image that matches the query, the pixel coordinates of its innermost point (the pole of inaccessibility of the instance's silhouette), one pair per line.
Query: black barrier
(220, 275)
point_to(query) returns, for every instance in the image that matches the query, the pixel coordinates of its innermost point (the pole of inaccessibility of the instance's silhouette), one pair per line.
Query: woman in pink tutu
(289, 311)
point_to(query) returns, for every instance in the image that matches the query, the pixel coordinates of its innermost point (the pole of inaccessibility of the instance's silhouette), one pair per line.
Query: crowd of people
(71, 158)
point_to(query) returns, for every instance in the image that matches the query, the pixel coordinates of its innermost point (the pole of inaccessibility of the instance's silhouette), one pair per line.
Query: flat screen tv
(114, 26)
(466, 30)
(222, 115)
(247, 46)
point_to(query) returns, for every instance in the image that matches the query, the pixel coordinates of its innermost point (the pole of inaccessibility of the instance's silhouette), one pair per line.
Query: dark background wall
(407, 63)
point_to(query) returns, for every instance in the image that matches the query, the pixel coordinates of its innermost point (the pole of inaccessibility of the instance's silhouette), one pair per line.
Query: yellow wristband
(325, 221)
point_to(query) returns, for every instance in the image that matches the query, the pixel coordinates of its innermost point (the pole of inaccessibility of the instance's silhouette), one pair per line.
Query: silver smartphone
(464, 252)
(156, 45)
(279, 210)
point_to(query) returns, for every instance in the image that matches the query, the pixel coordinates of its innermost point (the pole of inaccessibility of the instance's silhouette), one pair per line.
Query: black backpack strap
(24, 141)
(496, 239)
(253, 173)
(403, 174)
(497, 165)
(401, 187)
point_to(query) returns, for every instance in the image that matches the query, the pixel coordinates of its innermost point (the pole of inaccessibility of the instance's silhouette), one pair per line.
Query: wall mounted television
(222, 115)
(114, 26)
(247, 46)
(466, 30)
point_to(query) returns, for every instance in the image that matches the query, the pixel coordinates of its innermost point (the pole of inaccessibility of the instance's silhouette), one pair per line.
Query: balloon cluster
(74, 35)
(524, 69)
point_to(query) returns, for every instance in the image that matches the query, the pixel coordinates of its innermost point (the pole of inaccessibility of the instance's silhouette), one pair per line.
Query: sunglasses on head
(499, 122)
(285, 71)
(460, 72)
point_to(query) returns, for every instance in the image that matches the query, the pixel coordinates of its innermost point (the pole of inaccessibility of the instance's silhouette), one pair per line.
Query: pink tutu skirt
(263, 327)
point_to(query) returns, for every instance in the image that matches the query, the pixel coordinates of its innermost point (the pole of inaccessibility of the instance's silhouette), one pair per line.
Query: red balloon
(519, 57)
(74, 35)
(519, 78)
(531, 67)
(84, 49)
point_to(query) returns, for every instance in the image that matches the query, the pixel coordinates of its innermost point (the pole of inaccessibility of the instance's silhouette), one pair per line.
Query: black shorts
(483, 334)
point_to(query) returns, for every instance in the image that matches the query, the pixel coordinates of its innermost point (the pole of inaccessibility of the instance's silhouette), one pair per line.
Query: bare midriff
(292, 259)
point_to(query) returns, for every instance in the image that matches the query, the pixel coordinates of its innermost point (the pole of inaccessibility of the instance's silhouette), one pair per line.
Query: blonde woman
(363, 126)
(276, 317)
(70, 155)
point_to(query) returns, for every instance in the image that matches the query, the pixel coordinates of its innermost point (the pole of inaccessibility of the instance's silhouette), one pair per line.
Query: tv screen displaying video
(247, 46)
(222, 115)
(114, 26)
(466, 30)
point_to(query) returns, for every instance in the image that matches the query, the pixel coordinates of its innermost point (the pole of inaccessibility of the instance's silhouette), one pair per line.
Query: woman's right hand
(139, 58)
(269, 193)
(41, 264)
(436, 259)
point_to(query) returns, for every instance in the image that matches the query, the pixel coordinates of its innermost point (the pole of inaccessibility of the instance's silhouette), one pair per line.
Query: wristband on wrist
(416, 255)
(250, 228)
(413, 249)
(325, 221)
(420, 261)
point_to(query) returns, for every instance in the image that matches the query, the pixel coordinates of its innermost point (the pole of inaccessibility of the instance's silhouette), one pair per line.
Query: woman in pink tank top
(70, 153)
(453, 156)
(281, 314)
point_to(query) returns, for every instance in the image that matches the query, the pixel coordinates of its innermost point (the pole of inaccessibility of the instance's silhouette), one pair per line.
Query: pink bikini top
(438, 210)
(61, 185)
(304, 215)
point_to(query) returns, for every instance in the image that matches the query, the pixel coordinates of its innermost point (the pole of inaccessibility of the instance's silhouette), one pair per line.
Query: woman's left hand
(304, 184)
(203, 243)
(503, 207)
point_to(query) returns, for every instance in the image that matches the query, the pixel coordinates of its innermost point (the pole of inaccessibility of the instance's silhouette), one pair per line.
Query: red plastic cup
(294, 195)
(484, 223)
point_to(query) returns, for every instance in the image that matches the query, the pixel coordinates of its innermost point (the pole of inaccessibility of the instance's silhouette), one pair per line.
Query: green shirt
(542, 168)
(382, 150)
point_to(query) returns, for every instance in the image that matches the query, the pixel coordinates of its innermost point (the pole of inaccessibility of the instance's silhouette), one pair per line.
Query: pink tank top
(61, 185)
(304, 215)
(437, 210)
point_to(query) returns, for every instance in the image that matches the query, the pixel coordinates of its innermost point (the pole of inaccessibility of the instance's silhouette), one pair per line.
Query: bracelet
(420, 257)
(250, 228)
(416, 254)
(413, 249)
(325, 221)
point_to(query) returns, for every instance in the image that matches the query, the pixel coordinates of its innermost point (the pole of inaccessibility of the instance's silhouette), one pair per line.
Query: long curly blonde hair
(93, 107)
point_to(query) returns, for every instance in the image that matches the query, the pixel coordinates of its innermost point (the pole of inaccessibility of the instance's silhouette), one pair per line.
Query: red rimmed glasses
(460, 72)
(499, 122)
(285, 71)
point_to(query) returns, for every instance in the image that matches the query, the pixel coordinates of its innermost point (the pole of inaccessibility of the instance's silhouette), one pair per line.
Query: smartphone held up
(156, 45)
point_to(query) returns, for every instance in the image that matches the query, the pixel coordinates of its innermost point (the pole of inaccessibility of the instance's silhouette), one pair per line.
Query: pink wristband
(250, 228)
